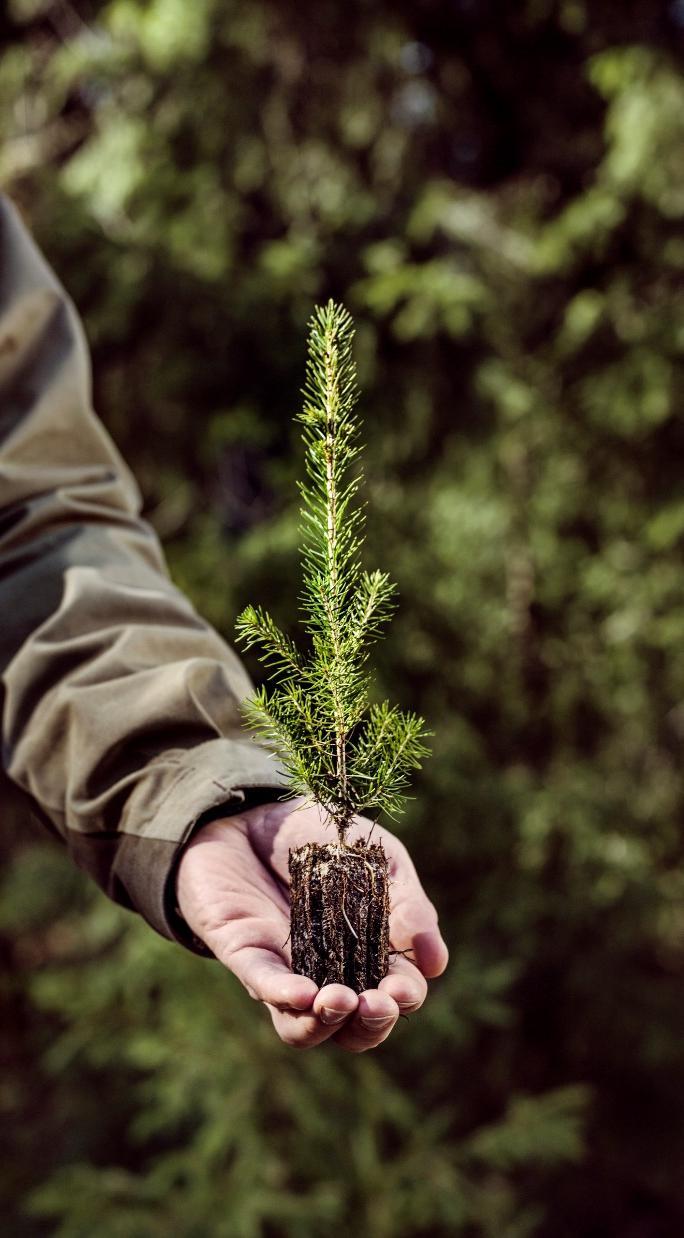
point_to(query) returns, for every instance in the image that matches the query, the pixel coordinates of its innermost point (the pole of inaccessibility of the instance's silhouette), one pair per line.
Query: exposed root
(350, 926)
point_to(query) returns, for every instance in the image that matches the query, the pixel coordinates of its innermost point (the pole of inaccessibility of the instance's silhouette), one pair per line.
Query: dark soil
(339, 897)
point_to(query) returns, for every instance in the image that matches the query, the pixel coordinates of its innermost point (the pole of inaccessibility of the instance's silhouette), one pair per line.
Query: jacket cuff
(216, 778)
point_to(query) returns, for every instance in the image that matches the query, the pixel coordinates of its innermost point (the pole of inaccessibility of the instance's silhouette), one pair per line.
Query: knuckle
(353, 1046)
(295, 1038)
(362, 1039)
(362, 1046)
(399, 858)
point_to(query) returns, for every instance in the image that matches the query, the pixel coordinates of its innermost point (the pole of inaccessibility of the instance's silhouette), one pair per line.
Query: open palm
(232, 890)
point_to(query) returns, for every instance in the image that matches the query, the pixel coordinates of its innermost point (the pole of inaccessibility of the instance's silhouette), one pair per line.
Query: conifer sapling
(338, 749)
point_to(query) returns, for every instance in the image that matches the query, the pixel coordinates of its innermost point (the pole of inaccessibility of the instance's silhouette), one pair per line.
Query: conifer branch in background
(337, 749)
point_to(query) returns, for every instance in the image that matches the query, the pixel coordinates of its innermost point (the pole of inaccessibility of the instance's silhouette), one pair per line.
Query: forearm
(121, 712)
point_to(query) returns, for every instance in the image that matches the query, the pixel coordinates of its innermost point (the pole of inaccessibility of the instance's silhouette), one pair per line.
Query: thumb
(414, 927)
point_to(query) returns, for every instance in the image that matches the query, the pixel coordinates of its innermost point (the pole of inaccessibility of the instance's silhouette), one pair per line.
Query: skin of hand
(232, 890)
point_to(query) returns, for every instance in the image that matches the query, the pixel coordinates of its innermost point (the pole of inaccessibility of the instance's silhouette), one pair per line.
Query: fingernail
(408, 1005)
(376, 1025)
(332, 1016)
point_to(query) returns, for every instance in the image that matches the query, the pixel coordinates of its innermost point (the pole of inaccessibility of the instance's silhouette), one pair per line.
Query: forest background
(495, 191)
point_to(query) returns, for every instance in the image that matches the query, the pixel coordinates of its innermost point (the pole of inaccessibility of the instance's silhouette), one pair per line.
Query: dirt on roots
(339, 896)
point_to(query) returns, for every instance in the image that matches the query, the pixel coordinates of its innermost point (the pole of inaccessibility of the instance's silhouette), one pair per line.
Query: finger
(300, 1030)
(413, 919)
(414, 927)
(267, 977)
(406, 984)
(372, 1022)
(334, 1003)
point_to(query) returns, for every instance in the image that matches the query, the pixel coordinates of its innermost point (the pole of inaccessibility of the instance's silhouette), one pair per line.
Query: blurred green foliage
(495, 191)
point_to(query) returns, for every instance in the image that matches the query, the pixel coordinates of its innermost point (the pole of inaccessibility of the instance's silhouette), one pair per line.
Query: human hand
(232, 890)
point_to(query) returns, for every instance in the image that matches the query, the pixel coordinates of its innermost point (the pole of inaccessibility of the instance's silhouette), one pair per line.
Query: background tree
(495, 191)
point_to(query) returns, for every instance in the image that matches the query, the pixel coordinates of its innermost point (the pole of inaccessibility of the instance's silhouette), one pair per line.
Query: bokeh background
(495, 190)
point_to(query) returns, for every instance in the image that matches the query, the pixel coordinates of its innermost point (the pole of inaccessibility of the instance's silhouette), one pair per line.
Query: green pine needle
(336, 748)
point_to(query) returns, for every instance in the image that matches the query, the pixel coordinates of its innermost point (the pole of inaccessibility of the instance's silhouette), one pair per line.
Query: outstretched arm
(120, 705)
(121, 725)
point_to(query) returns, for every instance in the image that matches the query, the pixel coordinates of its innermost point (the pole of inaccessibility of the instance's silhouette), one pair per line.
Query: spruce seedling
(338, 749)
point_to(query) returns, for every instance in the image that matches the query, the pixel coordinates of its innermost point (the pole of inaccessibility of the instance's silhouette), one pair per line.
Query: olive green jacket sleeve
(120, 705)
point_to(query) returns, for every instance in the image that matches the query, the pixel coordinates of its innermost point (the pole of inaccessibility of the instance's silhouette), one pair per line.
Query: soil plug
(338, 749)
